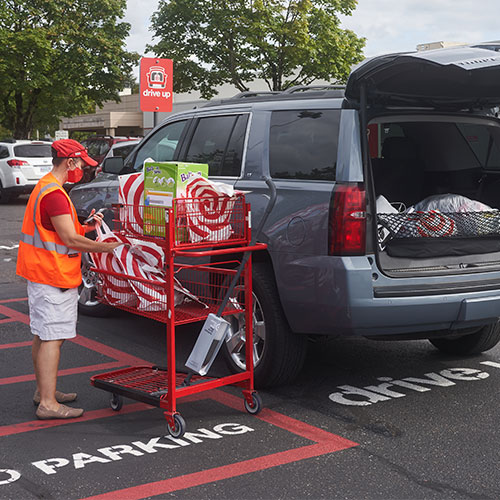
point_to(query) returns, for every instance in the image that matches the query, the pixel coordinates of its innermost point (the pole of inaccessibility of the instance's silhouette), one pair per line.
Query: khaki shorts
(53, 312)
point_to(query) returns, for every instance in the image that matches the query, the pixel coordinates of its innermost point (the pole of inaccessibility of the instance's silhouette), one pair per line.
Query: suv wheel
(278, 353)
(5, 196)
(484, 339)
(87, 291)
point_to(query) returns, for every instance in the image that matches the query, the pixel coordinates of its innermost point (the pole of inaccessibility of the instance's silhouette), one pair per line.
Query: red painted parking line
(7, 320)
(36, 425)
(6, 301)
(110, 352)
(326, 442)
(217, 473)
(124, 358)
(16, 344)
(67, 371)
(14, 315)
(277, 419)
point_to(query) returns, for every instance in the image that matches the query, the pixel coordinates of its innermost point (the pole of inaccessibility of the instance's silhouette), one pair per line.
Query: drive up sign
(156, 84)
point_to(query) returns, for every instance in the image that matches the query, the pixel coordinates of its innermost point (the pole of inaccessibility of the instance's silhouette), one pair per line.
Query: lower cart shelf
(150, 385)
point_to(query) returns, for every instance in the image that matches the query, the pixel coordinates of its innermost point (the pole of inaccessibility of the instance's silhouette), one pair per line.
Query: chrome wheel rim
(236, 338)
(88, 289)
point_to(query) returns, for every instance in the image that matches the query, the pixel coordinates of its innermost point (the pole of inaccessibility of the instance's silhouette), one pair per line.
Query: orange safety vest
(42, 256)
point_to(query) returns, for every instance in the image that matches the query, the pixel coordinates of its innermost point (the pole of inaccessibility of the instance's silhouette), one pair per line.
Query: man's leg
(35, 347)
(46, 354)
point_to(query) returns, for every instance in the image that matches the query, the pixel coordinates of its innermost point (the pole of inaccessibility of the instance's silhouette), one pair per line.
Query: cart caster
(255, 406)
(116, 402)
(179, 427)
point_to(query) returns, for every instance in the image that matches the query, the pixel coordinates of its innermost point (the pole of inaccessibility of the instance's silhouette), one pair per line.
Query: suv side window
(162, 145)
(218, 141)
(303, 144)
(4, 152)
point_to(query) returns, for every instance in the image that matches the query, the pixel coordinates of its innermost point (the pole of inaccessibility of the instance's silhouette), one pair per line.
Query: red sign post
(156, 84)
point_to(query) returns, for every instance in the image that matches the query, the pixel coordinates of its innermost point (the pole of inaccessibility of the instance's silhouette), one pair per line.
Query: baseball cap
(69, 148)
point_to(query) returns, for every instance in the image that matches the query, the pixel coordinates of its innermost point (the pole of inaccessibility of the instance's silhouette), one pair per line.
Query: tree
(59, 58)
(284, 42)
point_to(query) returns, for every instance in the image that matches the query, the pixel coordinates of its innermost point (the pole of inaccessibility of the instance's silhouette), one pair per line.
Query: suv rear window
(303, 144)
(33, 151)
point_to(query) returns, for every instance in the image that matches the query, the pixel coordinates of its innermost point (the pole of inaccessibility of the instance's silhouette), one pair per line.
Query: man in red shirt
(49, 258)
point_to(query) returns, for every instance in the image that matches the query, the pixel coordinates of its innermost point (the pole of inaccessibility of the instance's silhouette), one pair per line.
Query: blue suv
(407, 128)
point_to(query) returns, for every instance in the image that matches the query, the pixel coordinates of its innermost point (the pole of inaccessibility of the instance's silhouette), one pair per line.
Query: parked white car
(22, 164)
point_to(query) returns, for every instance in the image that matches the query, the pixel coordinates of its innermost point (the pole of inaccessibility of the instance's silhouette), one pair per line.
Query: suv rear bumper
(25, 189)
(344, 296)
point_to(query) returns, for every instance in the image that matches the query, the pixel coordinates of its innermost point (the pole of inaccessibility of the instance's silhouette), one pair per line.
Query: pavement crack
(431, 484)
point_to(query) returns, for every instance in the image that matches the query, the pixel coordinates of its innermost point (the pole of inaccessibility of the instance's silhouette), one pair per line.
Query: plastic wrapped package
(450, 203)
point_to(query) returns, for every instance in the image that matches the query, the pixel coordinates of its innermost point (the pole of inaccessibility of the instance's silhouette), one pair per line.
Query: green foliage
(59, 58)
(284, 42)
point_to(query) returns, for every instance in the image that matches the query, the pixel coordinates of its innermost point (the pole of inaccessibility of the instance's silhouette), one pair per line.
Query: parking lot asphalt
(364, 420)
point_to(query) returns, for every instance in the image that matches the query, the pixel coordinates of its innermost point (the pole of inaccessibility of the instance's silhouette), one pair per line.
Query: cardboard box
(164, 181)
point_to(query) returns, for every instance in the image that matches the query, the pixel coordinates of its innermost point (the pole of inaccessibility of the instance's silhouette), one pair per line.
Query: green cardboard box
(164, 181)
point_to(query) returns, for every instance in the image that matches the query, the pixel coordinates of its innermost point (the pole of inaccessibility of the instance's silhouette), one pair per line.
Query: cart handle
(223, 251)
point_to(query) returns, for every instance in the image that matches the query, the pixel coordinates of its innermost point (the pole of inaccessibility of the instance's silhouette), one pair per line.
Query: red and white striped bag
(116, 291)
(146, 260)
(131, 194)
(136, 259)
(208, 210)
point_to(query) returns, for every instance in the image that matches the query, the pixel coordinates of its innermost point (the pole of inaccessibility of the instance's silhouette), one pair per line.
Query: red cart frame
(160, 386)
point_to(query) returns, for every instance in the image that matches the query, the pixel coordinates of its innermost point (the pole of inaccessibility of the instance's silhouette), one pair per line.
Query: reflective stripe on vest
(36, 239)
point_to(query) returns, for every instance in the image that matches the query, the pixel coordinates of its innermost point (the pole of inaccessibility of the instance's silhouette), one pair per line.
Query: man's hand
(111, 245)
(65, 228)
(93, 220)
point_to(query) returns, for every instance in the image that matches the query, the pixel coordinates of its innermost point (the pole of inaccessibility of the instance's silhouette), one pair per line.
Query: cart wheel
(116, 402)
(179, 428)
(256, 405)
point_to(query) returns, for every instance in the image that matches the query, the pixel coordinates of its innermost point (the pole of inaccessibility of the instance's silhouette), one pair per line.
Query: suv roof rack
(308, 88)
(297, 92)
(9, 140)
(257, 93)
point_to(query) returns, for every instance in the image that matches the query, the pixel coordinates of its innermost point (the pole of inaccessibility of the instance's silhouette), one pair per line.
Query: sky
(388, 25)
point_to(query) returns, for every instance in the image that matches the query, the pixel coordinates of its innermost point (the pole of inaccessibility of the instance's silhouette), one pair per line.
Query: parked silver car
(406, 128)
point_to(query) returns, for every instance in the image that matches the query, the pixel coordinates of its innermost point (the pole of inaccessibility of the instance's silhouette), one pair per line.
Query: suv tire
(280, 352)
(5, 196)
(88, 304)
(484, 339)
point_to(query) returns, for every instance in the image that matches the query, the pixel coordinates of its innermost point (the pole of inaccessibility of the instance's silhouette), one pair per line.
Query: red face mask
(75, 175)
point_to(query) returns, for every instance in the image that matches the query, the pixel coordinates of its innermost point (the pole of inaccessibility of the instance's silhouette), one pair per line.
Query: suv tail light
(17, 163)
(347, 226)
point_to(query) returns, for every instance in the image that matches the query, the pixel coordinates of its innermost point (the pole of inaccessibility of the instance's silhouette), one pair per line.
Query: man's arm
(63, 224)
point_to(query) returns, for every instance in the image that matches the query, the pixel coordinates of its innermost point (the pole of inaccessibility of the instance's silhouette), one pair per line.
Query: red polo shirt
(53, 204)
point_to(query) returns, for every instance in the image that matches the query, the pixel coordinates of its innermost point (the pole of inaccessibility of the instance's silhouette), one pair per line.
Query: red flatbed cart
(209, 284)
